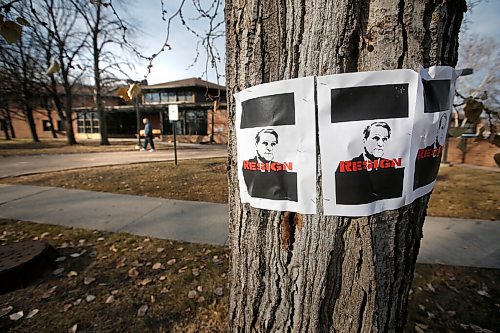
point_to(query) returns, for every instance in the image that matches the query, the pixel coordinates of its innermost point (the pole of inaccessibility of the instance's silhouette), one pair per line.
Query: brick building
(194, 97)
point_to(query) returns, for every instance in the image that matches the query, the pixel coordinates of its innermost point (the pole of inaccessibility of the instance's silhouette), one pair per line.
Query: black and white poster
(276, 145)
(432, 115)
(365, 130)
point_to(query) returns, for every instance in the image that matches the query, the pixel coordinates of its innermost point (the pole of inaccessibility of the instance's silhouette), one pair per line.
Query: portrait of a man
(265, 142)
(375, 137)
(370, 176)
(264, 176)
(429, 158)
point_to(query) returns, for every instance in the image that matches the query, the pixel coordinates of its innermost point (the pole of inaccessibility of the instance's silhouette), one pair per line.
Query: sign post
(173, 116)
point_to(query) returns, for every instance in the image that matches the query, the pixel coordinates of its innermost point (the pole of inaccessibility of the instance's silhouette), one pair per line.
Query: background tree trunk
(316, 273)
(5, 128)
(9, 120)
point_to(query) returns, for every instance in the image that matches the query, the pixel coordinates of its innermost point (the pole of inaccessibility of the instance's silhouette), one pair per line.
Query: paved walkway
(447, 241)
(24, 165)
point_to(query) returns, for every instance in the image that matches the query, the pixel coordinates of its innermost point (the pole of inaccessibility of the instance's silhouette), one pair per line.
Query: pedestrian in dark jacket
(148, 135)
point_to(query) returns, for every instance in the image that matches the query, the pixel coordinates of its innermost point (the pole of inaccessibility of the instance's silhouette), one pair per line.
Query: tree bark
(70, 134)
(5, 129)
(9, 120)
(51, 122)
(316, 273)
(103, 128)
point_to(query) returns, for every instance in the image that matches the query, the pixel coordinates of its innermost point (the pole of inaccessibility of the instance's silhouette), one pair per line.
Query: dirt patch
(110, 279)
(459, 192)
(115, 282)
(25, 148)
(466, 193)
(195, 180)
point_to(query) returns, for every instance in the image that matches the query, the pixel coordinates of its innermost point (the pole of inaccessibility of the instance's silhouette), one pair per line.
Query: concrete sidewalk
(446, 240)
(24, 165)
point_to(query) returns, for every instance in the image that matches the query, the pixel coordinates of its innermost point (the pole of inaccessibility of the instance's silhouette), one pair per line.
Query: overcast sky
(174, 64)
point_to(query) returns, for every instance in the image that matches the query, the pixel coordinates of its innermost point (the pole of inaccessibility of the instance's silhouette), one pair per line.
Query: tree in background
(104, 34)
(314, 273)
(61, 22)
(477, 99)
(20, 68)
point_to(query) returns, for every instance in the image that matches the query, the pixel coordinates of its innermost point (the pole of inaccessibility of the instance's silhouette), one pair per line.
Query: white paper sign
(365, 129)
(276, 145)
(173, 112)
(433, 112)
(381, 138)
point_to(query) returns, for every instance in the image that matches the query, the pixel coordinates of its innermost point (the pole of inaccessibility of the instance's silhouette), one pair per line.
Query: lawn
(459, 192)
(23, 147)
(114, 282)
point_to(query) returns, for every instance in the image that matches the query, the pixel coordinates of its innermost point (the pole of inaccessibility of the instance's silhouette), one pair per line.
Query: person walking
(148, 135)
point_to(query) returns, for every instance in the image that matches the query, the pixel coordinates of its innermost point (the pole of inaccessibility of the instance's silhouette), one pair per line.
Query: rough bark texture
(313, 273)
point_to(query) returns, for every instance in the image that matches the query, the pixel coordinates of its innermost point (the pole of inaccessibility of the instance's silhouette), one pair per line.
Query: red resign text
(352, 166)
(271, 166)
(429, 152)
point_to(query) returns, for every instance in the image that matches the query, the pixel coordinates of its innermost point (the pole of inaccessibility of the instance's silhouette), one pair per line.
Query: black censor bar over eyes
(271, 110)
(369, 102)
(436, 95)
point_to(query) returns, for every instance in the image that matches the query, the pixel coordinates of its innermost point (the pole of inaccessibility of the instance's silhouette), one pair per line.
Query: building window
(46, 125)
(191, 122)
(167, 97)
(87, 122)
(185, 96)
(60, 125)
(196, 122)
(151, 98)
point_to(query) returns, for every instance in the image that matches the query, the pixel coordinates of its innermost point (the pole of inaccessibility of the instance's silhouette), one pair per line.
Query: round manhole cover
(23, 262)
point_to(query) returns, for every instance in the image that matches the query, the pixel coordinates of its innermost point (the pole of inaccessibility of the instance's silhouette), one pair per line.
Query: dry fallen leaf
(32, 313)
(160, 249)
(73, 329)
(5, 311)
(133, 272)
(121, 262)
(72, 274)
(110, 299)
(88, 280)
(192, 294)
(90, 298)
(219, 292)
(16, 316)
(484, 293)
(418, 330)
(171, 262)
(158, 265)
(142, 310)
(58, 271)
(144, 282)
(67, 306)
(49, 292)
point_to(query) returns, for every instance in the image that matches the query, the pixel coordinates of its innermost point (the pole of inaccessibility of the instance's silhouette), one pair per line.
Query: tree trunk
(51, 122)
(5, 128)
(70, 134)
(28, 113)
(11, 127)
(316, 273)
(103, 128)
